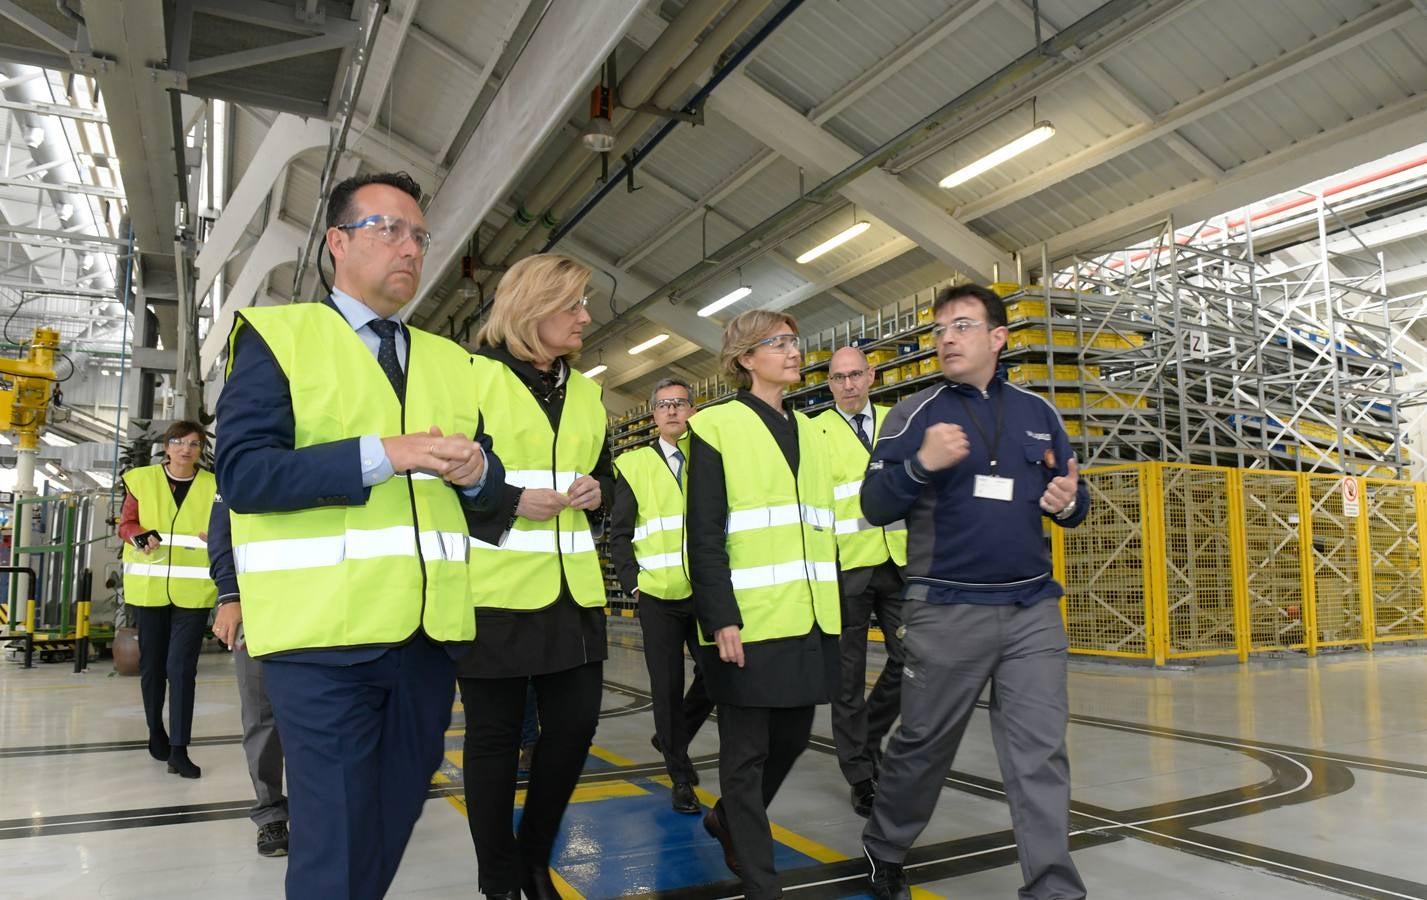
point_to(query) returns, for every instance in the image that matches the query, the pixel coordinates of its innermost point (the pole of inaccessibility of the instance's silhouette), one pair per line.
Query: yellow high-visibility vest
(859, 542)
(658, 520)
(524, 571)
(177, 572)
(782, 550)
(375, 574)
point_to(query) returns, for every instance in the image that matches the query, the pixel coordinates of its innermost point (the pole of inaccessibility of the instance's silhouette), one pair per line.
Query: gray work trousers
(260, 741)
(950, 653)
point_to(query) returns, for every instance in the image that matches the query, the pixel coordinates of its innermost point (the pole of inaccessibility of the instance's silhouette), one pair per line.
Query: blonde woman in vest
(763, 563)
(538, 587)
(164, 526)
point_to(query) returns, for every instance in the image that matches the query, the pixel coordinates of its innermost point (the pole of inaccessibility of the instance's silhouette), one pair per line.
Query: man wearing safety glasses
(976, 466)
(350, 450)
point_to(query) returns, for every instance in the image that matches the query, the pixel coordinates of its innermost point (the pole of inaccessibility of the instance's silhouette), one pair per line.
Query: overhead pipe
(1018, 76)
(577, 167)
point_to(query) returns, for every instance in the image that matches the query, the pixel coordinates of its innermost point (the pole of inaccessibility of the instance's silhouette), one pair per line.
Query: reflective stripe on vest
(658, 541)
(526, 570)
(782, 552)
(859, 542)
(376, 573)
(177, 572)
(773, 516)
(304, 553)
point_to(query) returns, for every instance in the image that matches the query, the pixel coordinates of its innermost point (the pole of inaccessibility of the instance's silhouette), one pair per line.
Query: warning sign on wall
(1352, 507)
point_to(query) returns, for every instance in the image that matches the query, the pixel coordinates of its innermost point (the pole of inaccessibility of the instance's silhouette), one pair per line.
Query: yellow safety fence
(1179, 561)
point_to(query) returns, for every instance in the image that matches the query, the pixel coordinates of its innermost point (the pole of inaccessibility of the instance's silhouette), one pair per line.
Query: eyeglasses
(841, 377)
(180, 442)
(781, 343)
(674, 403)
(391, 230)
(578, 305)
(960, 325)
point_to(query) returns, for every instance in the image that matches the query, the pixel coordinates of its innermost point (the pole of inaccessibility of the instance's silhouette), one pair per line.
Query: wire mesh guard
(1105, 569)
(1395, 557)
(1199, 584)
(1337, 585)
(1273, 561)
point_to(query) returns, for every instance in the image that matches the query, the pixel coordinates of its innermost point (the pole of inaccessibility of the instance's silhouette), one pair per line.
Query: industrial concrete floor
(1285, 778)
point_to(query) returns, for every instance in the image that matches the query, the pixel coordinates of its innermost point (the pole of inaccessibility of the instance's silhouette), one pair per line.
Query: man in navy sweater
(975, 465)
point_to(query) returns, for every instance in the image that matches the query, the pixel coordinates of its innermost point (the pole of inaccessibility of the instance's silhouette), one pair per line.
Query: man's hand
(1061, 490)
(541, 504)
(585, 494)
(151, 543)
(203, 536)
(943, 446)
(465, 458)
(226, 622)
(729, 639)
(415, 451)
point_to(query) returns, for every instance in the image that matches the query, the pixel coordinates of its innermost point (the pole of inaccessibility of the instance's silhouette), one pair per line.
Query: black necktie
(861, 432)
(676, 462)
(386, 354)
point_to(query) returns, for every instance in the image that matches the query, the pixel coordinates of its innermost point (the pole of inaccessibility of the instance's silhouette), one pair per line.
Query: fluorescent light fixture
(836, 240)
(655, 341)
(596, 371)
(1041, 132)
(726, 300)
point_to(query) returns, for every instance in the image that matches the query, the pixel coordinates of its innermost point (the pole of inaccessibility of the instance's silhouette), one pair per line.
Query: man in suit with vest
(647, 546)
(349, 453)
(870, 564)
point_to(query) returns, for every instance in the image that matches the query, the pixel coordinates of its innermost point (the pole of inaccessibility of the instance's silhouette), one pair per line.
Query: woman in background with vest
(166, 582)
(537, 583)
(763, 563)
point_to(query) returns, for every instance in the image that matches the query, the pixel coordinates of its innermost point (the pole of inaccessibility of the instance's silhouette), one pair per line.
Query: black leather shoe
(688, 765)
(887, 879)
(501, 895)
(714, 826)
(863, 793)
(537, 884)
(179, 764)
(684, 799)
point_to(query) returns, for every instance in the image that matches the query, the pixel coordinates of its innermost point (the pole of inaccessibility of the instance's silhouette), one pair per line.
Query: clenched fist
(1061, 490)
(943, 446)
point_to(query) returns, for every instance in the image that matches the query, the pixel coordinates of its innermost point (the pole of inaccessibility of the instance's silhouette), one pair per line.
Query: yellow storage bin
(926, 341)
(1024, 309)
(1036, 337)
(892, 375)
(929, 366)
(819, 377)
(813, 357)
(1005, 288)
(881, 357)
(909, 371)
(924, 315)
(1040, 372)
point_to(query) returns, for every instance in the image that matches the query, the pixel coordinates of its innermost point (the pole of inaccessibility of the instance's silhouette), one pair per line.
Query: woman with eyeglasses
(164, 526)
(763, 563)
(537, 583)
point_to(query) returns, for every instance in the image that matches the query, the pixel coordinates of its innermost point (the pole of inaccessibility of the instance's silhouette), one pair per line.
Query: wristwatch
(225, 600)
(1069, 509)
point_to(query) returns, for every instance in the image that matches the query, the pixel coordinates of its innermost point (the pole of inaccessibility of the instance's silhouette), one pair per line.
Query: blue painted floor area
(639, 845)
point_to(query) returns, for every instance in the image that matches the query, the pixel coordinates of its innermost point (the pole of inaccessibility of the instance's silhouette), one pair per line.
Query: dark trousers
(668, 627)
(169, 640)
(361, 744)
(757, 749)
(569, 703)
(261, 744)
(861, 720)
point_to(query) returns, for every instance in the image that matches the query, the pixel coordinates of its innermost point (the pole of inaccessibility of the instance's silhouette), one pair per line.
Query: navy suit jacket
(259, 470)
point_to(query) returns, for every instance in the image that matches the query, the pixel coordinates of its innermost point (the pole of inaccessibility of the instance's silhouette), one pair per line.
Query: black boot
(887, 879)
(538, 885)
(158, 744)
(179, 763)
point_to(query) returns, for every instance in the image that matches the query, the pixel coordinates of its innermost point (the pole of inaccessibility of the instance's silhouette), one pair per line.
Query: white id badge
(992, 487)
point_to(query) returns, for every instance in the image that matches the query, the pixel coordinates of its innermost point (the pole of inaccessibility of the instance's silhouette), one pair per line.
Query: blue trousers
(361, 743)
